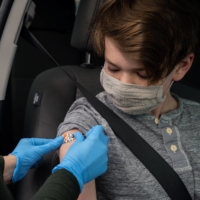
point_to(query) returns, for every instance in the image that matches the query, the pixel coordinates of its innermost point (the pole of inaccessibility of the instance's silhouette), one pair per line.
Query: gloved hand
(87, 158)
(30, 151)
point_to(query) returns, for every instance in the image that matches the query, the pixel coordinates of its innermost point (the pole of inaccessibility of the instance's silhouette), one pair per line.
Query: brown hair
(159, 33)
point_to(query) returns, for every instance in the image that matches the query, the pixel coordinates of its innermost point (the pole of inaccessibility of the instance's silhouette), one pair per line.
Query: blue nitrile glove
(30, 151)
(87, 158)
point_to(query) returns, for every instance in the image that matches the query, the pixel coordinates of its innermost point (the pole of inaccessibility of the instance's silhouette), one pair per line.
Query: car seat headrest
(81, 35)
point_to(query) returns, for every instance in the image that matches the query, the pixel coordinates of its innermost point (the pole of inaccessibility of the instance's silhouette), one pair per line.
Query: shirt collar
(170, 115)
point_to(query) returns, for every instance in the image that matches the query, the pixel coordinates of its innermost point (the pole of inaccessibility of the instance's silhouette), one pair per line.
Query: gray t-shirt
(176, 138)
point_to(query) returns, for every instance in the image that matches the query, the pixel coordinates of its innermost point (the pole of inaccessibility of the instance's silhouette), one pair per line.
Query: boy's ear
(183, 67)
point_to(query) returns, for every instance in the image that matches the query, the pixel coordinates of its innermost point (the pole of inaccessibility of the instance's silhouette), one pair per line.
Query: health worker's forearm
(9, 166)
(4, 191)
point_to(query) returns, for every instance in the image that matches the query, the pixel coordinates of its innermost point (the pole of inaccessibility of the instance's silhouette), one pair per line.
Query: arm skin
(10, 163)
(89, 190)
(4, 191)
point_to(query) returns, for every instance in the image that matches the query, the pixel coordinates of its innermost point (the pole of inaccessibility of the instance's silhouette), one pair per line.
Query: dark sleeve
(4, 191)
(61, 185)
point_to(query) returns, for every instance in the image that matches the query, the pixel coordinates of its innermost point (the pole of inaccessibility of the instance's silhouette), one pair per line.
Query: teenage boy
(147, 45)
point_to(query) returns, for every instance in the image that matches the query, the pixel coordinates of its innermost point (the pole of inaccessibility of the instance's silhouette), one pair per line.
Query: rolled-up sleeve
(81, 115)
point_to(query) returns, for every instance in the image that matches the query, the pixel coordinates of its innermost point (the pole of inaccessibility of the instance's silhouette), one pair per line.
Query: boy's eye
(112, 70)
(142, 76)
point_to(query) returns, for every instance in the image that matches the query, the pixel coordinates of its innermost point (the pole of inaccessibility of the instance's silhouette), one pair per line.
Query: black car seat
(51, 22)
(52, 93)
(52, 25)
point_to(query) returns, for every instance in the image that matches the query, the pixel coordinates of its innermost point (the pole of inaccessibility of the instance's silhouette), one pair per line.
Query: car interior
(35, 94)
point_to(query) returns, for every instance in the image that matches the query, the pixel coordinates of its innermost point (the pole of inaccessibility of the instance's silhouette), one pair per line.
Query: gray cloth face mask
(132, 98)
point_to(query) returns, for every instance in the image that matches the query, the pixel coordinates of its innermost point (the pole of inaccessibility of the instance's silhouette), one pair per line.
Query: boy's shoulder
(82, 101)
(190, 103)
(102, 96)
(191, 106)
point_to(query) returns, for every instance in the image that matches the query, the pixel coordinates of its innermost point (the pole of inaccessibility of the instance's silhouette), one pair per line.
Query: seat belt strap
(151, 159)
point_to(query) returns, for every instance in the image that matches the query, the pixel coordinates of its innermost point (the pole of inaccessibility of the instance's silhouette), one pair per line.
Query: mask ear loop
(171, 82)
(157, 119)
(169, 87)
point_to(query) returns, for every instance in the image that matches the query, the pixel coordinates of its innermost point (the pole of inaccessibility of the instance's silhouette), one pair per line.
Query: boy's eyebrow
(117, 66)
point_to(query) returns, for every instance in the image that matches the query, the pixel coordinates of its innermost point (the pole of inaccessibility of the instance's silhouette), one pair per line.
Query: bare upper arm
(64, 148)
(89, 190)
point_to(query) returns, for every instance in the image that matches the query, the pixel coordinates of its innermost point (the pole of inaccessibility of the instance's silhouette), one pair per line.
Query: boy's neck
(168, 105)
